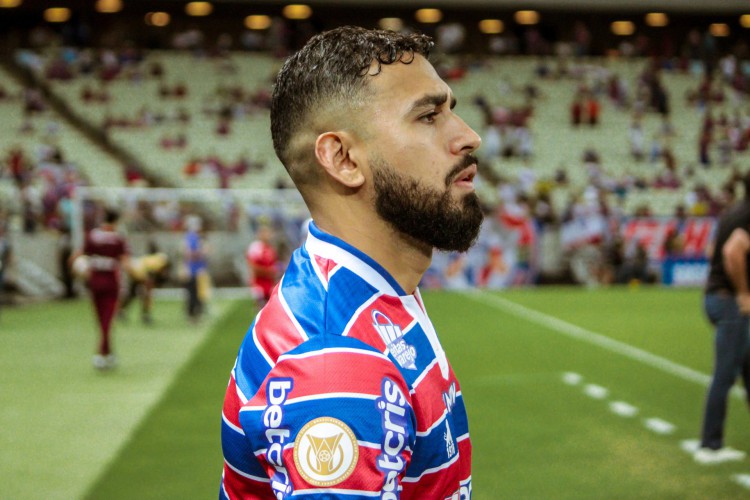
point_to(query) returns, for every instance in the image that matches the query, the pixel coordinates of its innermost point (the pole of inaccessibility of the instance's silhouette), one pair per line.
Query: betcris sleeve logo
(277, 434)
(395, 420)
(393, 337)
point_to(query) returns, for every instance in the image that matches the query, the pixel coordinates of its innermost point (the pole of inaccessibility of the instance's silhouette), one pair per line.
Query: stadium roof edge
(687, 6)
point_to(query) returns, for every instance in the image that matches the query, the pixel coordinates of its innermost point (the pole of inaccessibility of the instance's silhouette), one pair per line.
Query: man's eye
(429, 117)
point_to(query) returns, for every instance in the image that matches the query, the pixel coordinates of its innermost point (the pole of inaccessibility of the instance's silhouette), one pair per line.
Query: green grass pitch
(571, 393)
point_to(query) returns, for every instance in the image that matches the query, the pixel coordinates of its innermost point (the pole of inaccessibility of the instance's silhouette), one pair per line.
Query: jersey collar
(330, 247)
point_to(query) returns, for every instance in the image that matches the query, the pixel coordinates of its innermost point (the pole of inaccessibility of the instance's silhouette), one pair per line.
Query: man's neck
(405, 259)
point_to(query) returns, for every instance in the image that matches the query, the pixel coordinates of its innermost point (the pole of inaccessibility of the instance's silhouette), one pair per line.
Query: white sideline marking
(742, 479)
(594, 338)
(659, 426)
(690, 445)
(623, 409)
(596, 391)
(572, 378)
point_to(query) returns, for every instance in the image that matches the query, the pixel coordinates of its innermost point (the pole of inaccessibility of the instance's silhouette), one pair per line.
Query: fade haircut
(330, 73)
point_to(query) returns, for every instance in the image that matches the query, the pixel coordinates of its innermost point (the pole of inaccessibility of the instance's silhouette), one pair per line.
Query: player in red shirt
(263, 264)
(100, 263)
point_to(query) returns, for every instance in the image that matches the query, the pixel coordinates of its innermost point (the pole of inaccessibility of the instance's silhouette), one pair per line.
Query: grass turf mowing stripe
(600, 340)
(176, 451)
(533, 438)
(62, 421)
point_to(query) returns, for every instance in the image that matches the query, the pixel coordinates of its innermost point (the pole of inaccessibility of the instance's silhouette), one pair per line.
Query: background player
(145, 272)
(195, 258)
(263, 264)
(106, 254)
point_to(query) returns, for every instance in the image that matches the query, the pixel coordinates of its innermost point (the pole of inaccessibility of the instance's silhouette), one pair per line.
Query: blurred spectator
(6, 254)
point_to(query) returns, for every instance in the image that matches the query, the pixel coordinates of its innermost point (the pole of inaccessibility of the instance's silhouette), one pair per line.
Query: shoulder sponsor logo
(277, 435)
(392, 406)
(325, 451)
(449, 398)
(392, 335)
(450, 445)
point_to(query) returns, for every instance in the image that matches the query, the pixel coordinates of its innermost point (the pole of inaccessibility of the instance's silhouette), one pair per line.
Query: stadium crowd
(170, 128)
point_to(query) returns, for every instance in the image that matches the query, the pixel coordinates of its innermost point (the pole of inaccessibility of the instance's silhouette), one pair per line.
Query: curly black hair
(334, 67)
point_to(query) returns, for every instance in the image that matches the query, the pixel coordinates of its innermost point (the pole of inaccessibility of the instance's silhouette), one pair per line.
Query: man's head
(327, 82)
(111, 216)
(370, 123)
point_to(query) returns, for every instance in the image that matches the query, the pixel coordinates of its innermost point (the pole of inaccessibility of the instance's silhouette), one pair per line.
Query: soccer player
(263, 264)
(106, 252)
(195, 258)
(145, 272)
(341, 388)
(727, 304)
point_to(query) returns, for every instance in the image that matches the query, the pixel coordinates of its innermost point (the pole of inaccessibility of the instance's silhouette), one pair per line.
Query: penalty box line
(576, 332)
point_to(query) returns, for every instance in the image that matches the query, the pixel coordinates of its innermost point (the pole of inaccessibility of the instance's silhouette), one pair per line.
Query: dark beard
(425, 214)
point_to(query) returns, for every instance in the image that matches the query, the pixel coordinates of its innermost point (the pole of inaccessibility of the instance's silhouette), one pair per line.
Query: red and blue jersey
(342, 390)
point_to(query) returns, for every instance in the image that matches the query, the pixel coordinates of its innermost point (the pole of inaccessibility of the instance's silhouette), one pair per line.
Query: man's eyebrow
(433, 100)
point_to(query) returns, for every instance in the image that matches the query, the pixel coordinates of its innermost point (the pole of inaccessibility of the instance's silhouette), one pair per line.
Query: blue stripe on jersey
(431, 450)
(235, 448)
(328, 238)
(417, 338)
(249, 381)
(352, 291)
(222, 496)
(304, 293)
(332, 342)
(460, 418)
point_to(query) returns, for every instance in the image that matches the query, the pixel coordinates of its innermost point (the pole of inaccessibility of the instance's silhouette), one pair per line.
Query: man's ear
(334, 154)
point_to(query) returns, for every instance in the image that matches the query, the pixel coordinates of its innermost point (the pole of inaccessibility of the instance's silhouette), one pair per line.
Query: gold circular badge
(325, 451)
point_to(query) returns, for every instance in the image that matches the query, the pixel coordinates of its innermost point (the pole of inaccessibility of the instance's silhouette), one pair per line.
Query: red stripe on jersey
(276, 332)
(326, 372)
(364, 327)
(325, 265)
(238, 486)
(464, 451)
(365, 477)
(444, 482)
(429, 409)
(232, 403)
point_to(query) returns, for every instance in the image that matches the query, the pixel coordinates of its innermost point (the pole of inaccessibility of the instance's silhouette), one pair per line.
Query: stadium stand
(565, 137)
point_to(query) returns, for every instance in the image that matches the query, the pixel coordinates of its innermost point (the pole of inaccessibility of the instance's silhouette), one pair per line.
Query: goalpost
(154, 219)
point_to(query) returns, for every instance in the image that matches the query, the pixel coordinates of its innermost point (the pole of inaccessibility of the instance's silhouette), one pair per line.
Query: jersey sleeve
(333, 417)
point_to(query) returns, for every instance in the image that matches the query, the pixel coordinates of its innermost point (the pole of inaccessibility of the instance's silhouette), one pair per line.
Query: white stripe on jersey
(414, 308)
(231, 425)
(319, 272)
(257, 343)
(344, 258)
(332, 350)
(239, 392)
(336, 491)
(316, 397)
(437, 422)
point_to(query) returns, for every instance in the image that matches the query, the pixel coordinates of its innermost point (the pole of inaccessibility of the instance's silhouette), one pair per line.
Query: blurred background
(614, 134)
